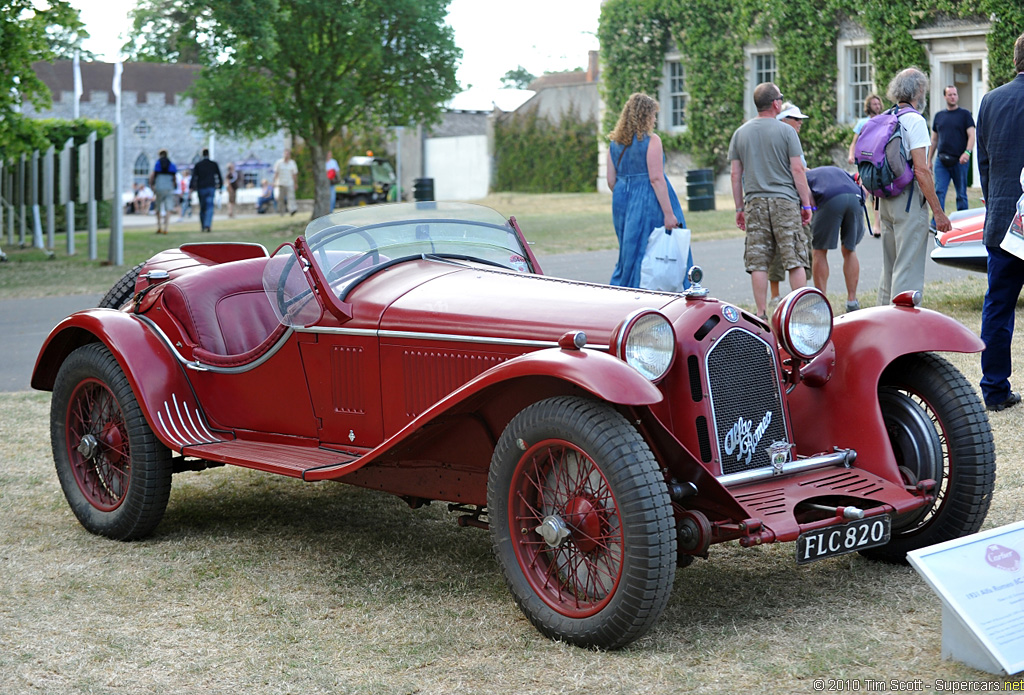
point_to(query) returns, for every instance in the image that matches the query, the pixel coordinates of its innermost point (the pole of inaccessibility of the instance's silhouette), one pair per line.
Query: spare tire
(122, 291)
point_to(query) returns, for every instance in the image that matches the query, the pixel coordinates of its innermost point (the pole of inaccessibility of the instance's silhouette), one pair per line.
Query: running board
(283, 459)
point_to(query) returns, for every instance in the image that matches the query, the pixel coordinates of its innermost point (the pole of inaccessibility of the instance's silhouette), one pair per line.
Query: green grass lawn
(554, 223)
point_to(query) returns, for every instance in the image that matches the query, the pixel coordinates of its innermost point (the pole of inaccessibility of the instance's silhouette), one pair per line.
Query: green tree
(171, 31)
(29, 32)
(520, 78)
(316, 67)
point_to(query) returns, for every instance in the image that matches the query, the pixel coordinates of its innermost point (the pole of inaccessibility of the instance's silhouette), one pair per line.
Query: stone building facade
(155, 115)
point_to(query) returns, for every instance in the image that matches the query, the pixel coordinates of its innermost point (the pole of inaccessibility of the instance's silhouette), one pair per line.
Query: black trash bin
(423, 190)
(700, 189)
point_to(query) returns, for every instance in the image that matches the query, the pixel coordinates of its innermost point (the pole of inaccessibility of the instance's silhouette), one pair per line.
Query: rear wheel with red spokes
(115, 473)
(581, 522)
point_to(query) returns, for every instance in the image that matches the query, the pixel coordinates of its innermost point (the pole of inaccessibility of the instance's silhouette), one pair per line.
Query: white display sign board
(980, 579)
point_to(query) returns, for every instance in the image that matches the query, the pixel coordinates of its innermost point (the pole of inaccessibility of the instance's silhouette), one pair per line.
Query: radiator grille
(746, 400)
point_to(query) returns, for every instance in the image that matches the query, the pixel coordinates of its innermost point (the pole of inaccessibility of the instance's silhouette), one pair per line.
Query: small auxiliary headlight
(803, 323)
(647, 343)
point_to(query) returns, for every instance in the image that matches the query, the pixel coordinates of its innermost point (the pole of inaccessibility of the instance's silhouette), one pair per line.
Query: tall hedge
(536, 155)
(711, 35)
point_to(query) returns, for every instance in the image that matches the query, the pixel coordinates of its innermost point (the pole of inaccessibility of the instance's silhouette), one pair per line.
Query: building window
(140, 172)
(861, 80)
(676, 95)
(142, 130)
(250, 178)
(760, 66)
(764, 68)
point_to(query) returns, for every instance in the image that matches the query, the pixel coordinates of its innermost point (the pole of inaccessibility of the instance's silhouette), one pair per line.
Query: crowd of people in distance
(792, 216)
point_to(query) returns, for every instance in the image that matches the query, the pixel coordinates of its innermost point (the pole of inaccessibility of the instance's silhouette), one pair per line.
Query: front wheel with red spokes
(581, 522)
(115, 473)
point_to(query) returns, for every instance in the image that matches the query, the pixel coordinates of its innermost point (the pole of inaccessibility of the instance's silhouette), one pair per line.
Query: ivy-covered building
(702, 60)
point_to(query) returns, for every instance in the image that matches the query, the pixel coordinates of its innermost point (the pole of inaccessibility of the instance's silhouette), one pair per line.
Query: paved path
(26, 322)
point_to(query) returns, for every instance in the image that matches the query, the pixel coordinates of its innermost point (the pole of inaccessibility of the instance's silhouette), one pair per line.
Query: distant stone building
(155, 115)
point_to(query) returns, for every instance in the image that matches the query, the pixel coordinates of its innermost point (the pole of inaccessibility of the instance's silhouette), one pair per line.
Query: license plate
(839, 540)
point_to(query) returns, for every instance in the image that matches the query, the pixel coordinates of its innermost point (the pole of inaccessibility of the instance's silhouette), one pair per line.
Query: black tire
(122, 291)
(579, 463)
(115, 473)
(938, 429)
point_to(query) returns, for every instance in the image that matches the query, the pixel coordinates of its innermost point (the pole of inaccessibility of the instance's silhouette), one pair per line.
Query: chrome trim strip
(170, 418)
(798, 466)
(414, 335)
(448, 337)
(213, 368)
(211, 435)
(166, 430)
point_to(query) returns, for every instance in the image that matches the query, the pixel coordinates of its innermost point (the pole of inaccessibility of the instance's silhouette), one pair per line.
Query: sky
(495, 35)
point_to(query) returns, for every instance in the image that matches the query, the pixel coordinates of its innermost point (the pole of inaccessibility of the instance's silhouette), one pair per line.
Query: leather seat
(224, 312)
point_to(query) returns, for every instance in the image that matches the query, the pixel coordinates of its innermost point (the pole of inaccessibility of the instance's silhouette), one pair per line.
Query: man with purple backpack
(902, 212)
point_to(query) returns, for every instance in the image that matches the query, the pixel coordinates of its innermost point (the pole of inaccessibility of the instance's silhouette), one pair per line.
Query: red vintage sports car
(605, 436)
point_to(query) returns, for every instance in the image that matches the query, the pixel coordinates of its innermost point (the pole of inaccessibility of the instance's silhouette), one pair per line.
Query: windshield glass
(349, 244)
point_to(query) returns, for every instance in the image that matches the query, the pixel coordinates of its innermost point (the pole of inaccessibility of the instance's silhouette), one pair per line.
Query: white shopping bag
(664, 265)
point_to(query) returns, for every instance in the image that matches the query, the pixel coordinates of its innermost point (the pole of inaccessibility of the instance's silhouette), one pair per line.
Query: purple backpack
(883, 169)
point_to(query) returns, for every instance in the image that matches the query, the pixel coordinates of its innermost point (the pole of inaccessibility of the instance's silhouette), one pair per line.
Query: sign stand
(980, 580)
(959, 643)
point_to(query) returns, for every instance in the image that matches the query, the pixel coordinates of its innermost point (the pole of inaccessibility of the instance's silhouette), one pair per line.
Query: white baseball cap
(791, 111)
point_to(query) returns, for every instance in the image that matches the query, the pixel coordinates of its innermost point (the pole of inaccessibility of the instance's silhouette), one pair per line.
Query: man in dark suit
(1000, 160)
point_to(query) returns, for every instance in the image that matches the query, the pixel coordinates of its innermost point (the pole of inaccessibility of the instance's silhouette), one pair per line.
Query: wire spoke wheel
(557, 484)
(581, 522)
(115, 473)
(98, 445)
(938, 430)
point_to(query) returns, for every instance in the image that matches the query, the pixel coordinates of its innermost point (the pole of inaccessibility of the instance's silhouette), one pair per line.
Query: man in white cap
(791, 115)
(769, 189)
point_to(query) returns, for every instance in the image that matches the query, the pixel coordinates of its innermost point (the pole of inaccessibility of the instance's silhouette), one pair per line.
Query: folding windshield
(349, 243)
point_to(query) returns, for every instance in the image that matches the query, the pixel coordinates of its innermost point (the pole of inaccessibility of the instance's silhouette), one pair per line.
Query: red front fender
(844, 411)
(155, 375)
(606, 377)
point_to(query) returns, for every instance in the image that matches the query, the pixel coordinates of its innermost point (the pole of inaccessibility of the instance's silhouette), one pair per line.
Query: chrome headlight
(803, 323)
(647, 343)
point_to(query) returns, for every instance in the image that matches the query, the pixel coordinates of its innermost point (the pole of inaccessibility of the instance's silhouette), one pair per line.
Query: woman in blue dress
(642, 198)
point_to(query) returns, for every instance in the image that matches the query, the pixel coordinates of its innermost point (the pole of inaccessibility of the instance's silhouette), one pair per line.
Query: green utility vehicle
(368, 180)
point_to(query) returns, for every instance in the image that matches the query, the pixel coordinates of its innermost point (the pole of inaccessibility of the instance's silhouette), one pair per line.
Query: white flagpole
(116, 255)
(78, 83)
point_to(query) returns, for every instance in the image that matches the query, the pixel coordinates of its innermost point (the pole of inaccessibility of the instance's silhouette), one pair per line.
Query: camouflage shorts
(773, 226)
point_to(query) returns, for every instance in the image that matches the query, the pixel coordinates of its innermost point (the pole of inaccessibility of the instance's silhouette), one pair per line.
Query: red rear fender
(156, 377)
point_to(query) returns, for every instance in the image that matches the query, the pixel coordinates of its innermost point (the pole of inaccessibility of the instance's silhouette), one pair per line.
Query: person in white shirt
(286, 174)
(333, 174)
(904, 218)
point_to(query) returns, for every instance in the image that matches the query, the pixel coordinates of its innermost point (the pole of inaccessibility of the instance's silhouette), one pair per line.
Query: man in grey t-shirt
(769, 187)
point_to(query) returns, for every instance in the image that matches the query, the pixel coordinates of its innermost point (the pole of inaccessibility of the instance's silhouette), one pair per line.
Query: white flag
(117, 78)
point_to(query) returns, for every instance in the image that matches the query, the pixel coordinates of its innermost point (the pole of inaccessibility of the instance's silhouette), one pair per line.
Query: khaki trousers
(905, 238)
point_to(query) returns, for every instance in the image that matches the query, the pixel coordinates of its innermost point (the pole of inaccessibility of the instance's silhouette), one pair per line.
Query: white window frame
(846, 110)
(667, 97)
(140, 174)
(752, 54)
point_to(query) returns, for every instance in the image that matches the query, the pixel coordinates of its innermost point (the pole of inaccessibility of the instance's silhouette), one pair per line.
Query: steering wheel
(342, 268)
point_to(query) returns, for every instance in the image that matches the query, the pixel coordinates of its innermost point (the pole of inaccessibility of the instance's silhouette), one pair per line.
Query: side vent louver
(696, 391)
(707, 326)
(704, 439)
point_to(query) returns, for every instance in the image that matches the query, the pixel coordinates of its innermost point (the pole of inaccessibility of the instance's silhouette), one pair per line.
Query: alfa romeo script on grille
(839, 540)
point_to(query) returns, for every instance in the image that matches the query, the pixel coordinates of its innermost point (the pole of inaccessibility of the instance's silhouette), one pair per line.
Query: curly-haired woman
(642, 198)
